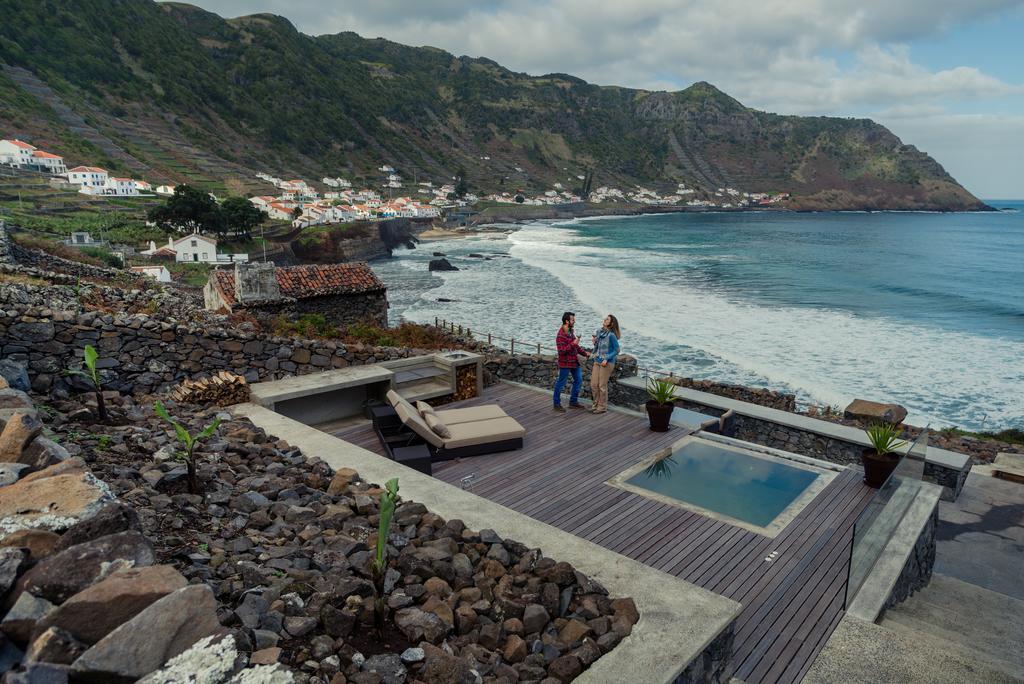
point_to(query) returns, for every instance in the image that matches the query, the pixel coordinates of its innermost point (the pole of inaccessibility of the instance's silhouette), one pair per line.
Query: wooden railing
(524, 346)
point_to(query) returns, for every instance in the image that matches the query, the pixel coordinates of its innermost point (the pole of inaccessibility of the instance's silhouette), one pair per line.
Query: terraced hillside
(177, 93)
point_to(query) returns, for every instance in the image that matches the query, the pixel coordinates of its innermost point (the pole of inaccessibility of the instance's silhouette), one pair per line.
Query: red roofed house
(344, 293)
(16, 152)
(19, 153)
(88, 176)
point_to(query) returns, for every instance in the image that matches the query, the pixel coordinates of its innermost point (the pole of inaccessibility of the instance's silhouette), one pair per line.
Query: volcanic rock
(94, 612)
(163, 630)
(64, 574)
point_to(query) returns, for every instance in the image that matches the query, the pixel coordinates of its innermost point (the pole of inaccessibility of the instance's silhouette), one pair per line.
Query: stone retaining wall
(762, 396)
(141, 354)
(541, 370)
(917, 572)
(758, 431)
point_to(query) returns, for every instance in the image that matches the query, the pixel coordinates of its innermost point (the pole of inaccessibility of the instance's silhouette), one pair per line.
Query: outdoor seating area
(446, 434)
(790, 580)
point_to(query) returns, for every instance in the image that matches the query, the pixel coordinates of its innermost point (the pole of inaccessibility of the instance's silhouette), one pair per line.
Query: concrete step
(423, 389)
(966, 618)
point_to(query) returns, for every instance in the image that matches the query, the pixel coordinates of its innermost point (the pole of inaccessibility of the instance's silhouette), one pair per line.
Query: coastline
(519, 214)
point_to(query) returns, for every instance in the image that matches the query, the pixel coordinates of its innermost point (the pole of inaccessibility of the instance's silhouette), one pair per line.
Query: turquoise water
(923, 309)
(741, 486)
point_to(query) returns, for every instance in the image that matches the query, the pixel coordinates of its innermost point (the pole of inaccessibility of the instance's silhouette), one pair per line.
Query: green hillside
(172, 92)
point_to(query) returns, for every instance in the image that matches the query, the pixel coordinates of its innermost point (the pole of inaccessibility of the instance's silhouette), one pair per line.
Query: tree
(189, 210)
(296, 212)
(461, 187)
(520, 199)
(241, 216)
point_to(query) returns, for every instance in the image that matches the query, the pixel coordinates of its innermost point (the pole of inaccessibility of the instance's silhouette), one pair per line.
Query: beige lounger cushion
(396, 399)
(412, 420)
(483, 432)
(435, 424)
(471, 414)
(424, 408)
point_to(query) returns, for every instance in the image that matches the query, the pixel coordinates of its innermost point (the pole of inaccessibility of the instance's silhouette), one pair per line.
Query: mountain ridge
(199, 98)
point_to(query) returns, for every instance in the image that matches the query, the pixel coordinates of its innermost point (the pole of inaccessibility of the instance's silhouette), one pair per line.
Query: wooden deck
(791, 603)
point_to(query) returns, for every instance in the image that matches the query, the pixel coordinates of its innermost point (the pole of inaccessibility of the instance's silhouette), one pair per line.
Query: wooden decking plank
(790, 606)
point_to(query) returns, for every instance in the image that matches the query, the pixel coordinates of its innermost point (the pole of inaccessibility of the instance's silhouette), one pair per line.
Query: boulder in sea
(441, 265)
(440, 254)
(474, 255)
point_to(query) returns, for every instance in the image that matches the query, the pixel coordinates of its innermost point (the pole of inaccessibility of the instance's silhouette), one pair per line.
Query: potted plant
(660, 405)
(880, 459)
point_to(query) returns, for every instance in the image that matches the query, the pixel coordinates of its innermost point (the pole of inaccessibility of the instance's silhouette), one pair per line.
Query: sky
(944, 75)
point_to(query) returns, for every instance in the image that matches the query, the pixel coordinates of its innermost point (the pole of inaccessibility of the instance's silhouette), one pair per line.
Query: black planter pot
(878, 468)
(659, 415)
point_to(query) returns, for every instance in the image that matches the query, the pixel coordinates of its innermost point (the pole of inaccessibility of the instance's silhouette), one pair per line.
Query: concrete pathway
(980, 537)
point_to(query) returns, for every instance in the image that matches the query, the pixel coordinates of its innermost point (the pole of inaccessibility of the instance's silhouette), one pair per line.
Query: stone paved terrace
(791, 604)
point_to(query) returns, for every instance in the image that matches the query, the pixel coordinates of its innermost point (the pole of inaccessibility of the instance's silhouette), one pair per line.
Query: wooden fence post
(538, 349)
(489, 339)
(513, 348)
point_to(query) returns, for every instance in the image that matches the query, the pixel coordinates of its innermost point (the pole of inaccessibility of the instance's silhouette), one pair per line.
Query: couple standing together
(571, 354)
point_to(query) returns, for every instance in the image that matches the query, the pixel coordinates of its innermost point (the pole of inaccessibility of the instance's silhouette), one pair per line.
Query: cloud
(822, 57)
(978, 150)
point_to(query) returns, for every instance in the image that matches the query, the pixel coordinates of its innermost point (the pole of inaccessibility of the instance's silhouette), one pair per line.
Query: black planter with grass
(660, 405)
(880, 459)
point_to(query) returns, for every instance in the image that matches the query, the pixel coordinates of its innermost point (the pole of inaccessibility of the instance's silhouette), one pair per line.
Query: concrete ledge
(271, 392)
(678, 620)
(874, 593)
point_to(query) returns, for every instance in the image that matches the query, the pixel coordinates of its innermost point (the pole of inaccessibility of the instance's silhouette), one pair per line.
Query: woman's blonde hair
(615, 326)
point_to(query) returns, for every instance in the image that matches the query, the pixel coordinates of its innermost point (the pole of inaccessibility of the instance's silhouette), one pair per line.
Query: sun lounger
(467, 431)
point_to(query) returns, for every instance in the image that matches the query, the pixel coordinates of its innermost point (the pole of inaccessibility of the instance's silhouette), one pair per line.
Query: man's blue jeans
(577, 382)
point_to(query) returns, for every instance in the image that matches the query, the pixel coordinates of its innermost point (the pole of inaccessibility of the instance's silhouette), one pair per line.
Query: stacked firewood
(220, 389)
(465, 383)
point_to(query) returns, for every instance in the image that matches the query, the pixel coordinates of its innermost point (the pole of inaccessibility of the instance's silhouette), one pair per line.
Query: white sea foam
(941, 376)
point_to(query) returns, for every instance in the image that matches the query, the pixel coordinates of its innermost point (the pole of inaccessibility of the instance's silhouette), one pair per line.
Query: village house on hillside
(20, 154)
(195, 248)
(343, 293)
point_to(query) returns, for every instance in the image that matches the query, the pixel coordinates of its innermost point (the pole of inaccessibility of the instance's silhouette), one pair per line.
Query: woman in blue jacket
(606, 349)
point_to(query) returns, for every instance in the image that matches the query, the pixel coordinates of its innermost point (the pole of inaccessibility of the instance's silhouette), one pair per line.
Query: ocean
(922, 309)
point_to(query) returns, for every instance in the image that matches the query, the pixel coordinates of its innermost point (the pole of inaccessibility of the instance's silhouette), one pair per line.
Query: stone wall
(140, 353)
(541, 370)
(758, 431)
(338, 310)
(752, 395)
(714, 664)
(35, 258)
(917, 572)
(5, 245)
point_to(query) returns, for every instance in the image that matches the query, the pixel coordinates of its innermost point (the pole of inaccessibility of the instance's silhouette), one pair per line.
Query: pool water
(732, 482)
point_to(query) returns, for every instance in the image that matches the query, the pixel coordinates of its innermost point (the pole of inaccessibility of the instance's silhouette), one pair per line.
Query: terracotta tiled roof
(46, 155)
(306, 282)
(21, 144)
(89, 169)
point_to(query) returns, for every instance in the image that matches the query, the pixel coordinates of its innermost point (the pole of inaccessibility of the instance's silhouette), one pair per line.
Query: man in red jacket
(568, 345)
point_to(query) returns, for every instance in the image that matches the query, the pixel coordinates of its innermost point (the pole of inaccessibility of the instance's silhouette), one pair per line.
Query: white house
(15, 152)
(142, 186)
(166, 190)
(88, 176)
(160, 273)
(195, 248)
(282, 211)
(50, 163)
(119, 187)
